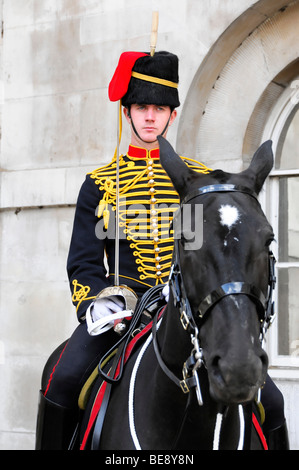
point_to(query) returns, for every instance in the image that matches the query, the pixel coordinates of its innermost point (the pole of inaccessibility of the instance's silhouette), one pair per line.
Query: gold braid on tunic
(147, 202)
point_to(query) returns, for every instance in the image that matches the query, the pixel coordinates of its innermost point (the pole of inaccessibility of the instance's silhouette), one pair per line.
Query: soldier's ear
(127, 114)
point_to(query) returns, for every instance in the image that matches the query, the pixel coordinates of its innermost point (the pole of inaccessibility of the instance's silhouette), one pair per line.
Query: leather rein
(265, 306)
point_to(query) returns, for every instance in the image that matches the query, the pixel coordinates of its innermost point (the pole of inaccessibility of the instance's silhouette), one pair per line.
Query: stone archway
(239, 81)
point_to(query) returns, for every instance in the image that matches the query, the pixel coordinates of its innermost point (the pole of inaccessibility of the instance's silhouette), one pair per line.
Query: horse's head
(225, 272)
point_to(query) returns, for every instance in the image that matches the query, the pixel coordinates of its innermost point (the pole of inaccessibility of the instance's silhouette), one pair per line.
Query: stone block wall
(56, 61)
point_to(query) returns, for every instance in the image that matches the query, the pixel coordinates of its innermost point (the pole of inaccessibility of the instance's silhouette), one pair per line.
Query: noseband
(192, 322)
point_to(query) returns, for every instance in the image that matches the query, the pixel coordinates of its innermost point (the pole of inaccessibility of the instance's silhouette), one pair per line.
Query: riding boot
(55, 425)
(278, 439)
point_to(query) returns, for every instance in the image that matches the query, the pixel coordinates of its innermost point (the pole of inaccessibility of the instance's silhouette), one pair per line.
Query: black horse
(194, 381)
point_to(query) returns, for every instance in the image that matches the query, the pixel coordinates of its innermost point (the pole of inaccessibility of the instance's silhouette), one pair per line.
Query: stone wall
(56, 61)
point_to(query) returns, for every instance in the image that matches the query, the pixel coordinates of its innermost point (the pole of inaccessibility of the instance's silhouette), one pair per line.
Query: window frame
(281, 366)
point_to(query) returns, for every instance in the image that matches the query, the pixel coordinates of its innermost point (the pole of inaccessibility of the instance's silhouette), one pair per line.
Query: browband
(218, 188)
(232, 288)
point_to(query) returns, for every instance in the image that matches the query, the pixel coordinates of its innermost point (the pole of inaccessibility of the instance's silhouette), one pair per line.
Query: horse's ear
(261, 165)
(174, 166)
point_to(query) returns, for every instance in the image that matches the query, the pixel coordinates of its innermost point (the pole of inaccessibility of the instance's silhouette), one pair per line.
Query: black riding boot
(55, 425)
(278, 439)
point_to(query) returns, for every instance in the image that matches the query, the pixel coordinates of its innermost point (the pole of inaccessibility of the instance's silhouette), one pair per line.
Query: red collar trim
(139, 152)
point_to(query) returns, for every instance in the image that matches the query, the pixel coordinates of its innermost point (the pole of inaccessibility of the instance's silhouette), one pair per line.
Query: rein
(265, 306)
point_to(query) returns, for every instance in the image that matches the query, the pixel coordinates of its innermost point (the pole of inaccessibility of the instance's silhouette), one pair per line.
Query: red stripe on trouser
(51, 375)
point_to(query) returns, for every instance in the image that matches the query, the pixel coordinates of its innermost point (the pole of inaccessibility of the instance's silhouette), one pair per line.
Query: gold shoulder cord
(105, 178)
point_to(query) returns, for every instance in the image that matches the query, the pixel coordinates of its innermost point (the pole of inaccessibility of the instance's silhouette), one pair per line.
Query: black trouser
(79, 358)
(273, 403)
(83, 353)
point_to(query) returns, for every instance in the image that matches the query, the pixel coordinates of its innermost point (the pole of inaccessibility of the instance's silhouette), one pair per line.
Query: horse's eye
(269, 241)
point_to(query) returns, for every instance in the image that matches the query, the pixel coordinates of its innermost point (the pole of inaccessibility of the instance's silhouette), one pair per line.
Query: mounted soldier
(111, 261)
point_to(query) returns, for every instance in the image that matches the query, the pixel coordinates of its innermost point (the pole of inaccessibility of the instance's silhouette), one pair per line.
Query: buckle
(184, 320)
(183, 383)
(184, 386)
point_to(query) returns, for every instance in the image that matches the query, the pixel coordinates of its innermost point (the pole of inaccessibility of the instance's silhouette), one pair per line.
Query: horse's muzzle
(235, 379)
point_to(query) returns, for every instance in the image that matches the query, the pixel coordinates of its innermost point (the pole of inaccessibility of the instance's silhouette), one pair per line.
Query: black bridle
(192, 321)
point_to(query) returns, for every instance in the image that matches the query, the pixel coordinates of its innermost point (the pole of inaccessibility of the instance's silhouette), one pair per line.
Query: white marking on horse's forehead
(229, 215)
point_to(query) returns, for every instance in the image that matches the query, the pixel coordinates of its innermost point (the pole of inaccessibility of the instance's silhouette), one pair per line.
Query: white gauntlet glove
(102, 313)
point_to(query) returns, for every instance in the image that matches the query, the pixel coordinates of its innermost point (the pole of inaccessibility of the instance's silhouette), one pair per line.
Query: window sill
(289, 373)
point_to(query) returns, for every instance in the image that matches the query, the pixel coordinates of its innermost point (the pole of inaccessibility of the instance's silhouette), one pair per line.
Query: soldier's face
(149, 121)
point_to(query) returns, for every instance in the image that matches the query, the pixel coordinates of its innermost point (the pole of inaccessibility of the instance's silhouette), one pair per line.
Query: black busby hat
(146, 79)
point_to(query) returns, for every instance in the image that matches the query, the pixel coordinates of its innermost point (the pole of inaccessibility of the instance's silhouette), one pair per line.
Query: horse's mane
(220, 175)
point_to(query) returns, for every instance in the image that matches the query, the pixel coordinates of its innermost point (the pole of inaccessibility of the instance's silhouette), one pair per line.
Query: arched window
(282, 207)
(244, 92)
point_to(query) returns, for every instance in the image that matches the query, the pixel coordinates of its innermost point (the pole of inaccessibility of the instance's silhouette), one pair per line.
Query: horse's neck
(223, 427)
(175, 349)
(175, 342)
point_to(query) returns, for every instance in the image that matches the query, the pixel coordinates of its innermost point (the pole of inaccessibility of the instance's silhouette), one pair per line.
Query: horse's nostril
(264, 359)
(215, 361)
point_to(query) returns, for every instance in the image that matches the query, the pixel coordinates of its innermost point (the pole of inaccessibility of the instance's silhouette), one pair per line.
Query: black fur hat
(142, 90)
